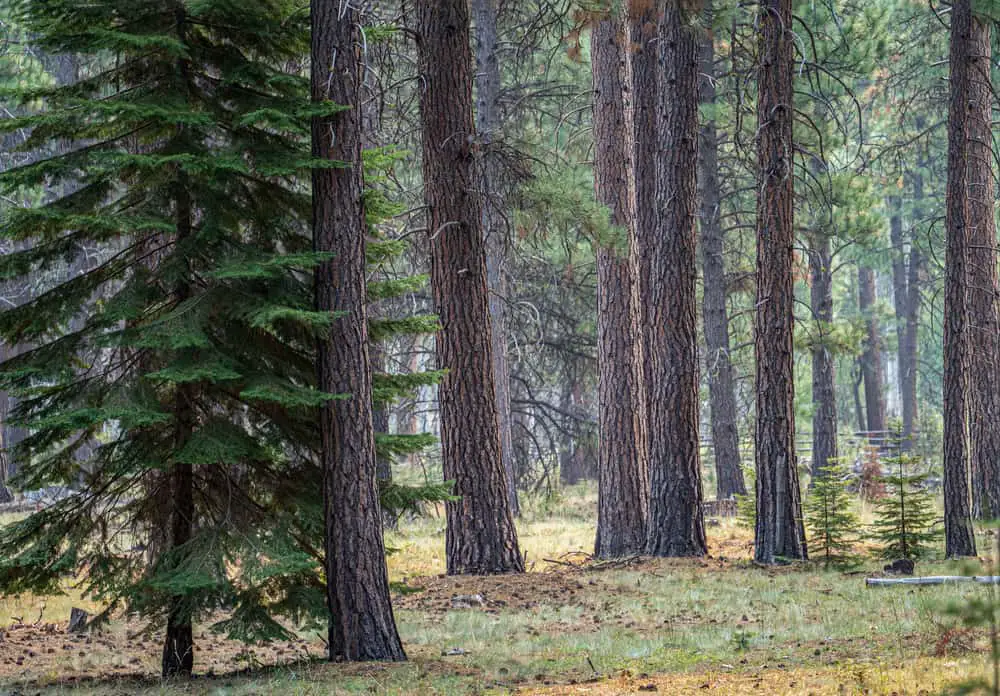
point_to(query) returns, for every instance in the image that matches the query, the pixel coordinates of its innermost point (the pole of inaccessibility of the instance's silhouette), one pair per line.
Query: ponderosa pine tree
(362, 626)
(715, 318)
(984, 289)
(871, 355)
(779, 531)
(623, 475)
(480, 538)
(188, 346)
(966, 58)
(676, 525)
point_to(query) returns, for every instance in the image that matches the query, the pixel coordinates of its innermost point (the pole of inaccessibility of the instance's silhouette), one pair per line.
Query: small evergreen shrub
(832, 525)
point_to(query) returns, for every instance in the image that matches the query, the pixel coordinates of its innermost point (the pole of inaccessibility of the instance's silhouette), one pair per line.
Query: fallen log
(934, 580)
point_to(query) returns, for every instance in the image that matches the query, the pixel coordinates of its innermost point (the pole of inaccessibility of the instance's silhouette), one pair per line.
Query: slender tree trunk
(676, 526)
(721, 393)
(362, 626)
(380, 424)
(902, 294)
(178, 648)
(984, 321)
(871, 356)
(824, 383)
(779, 531)
(494, 224)
(623, 476)
(178, 645)
(481, 537)
(909, 367)
(964, 57)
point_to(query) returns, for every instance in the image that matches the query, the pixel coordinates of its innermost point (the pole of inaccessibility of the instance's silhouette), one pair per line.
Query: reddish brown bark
(959, 537)
(676, 525)
(779, 531)
(871, 356)
(984, 319)
(623, 479)
(480, 537)
(362, 626)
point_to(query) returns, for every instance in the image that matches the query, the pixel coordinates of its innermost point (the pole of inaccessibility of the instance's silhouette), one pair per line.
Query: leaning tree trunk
(964, 60)
(779, 531)
(623, 476)
(480, 537)
(676, 526)
(871, 356)
(984, 293)
(824, 383)
(494, 225)
(718, 365)
(361, 623)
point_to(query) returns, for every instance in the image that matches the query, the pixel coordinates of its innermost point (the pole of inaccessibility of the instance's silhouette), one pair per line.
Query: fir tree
(174, 377)
(905, 517)
(829, 518)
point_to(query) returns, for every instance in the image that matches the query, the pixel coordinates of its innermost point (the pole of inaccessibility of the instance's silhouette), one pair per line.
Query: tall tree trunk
(178, 645)
(676, 526)
(481, 537)
(362, 626)
(984, 320)
(824, 383)
(494, 225)
(964, 57)
(721, 393)
(380, 424)
(904, 291)
(623, 475)
(779, 531)
(871, 356)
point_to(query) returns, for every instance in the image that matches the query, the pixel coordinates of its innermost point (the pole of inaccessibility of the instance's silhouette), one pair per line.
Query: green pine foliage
(832, 524)
(905, 518)
(746, 505)
(171, 382)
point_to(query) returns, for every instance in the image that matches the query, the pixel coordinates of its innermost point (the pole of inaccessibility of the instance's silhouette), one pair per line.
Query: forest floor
(718, 625)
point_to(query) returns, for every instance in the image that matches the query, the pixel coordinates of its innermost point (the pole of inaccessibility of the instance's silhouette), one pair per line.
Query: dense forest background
(275, 277)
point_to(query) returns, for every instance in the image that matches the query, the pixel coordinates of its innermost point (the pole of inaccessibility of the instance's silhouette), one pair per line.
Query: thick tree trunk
(871, 356)
(362, 626)
(481, 537)
(779, 531)
(623, 475)
(824, 383)
(676, 526)
(984, 293)
(721, 393)
(494, 225)
(964, 58)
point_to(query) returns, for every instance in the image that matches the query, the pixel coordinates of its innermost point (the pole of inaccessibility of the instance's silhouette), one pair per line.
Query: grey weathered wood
(934, 580)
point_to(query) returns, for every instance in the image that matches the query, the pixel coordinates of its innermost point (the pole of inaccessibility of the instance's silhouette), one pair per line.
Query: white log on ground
(934, 580)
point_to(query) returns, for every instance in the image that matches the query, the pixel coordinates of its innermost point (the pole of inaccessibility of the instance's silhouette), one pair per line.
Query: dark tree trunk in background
(676, 526)
(494, 224)
(623, 476)
(718, 366)
(905, 290)
(824, 383)
(984, 322)
(361, 624)
(380, 424)
(871, 356)
(481, 538)
(779, 531)
(963, 61)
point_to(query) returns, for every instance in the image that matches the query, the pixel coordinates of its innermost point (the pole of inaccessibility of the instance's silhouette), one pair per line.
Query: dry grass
(718, 624)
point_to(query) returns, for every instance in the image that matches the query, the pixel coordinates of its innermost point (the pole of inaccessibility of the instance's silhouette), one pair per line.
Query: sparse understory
(569, 626)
